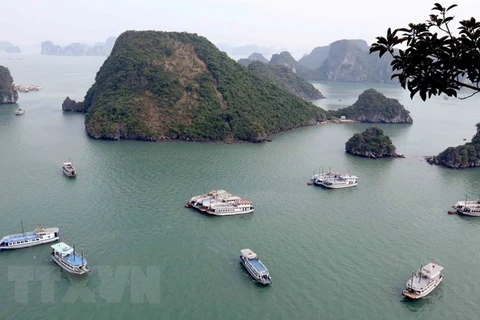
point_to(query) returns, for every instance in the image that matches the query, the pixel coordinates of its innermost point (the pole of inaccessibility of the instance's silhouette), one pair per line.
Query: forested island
(463, 156)
(373, 107)
(169, 85)
(8, 94)
(287, 79)
(341, 61)
(372, 143)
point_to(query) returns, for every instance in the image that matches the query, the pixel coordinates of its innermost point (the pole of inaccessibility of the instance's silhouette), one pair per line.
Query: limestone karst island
(168, 85)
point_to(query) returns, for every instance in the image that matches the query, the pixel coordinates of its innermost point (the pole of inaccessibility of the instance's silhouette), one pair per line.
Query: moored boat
(468, 207)
(424, 281)
(339, 182)
(229, 208)
(68, 259)
(69, 169)
(319, 178)
(19, 111)
(29, 239)
(254, 266)
(198, 201)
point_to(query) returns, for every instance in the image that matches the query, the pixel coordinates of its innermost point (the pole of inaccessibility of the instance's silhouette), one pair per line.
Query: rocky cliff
(170, 85)
(372, 143)
(8, 94)
(372, 106)
(284, 77)
(348, 61)
(460, 157)
(71, 105)
(78, 49)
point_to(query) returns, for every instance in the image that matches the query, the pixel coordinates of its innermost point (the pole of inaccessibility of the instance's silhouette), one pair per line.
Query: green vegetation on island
(169, 85)
(287, 79)
(372, 143)
(464, 156)
(8, 94)
(372, 106)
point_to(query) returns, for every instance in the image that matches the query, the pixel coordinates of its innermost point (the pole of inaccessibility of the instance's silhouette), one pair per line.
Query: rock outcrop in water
(372, 143)
(78, 49)
(460, 157)
(170, 85)
(8, 47)
(373, 107)
(71, 105)
(8, 94)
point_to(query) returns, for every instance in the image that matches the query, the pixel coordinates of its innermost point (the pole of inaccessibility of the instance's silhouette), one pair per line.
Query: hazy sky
(295, 25)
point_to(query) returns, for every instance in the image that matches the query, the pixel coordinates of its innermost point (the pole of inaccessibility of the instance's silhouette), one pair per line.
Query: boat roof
(62, 247)
(431, 270)
(232, 198)
(27, 235)
(67, 163)
(249, 254)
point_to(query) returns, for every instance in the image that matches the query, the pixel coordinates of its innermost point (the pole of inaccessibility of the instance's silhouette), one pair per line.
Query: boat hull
(30, 244)
(338, 186)
(77, 270)
(412, 295)
(470, 214)
(255, 276)
(232, 213)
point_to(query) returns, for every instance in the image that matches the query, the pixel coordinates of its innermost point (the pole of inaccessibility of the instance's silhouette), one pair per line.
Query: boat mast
(465, 200)
(420, 274)
(82, 257)
(73, 251)
(23, 231)
(411, 282)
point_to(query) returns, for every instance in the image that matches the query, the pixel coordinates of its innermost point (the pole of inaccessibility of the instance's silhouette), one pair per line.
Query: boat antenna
(465, 200)
(23, 232)
(73, 251)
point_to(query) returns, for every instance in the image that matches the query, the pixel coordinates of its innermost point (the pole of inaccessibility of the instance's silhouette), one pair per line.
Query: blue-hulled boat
(254, 266)
(67, 258)
(29, 239)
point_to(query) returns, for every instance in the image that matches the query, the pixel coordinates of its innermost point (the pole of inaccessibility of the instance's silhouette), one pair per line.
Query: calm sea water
(332, 254)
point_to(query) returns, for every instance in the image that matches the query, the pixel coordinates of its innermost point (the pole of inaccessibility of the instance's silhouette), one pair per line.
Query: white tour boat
(254, 266)
(69, 170)
(339, 182)
(29, 239)
(68, 259)
(229, 208)
(423, 281)
(468, 207)
(198, 201)
(19, 111)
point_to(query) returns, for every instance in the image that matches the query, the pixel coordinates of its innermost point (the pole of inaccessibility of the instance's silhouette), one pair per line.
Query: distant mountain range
(340, 61)
(8, 47)
(78, 49)
(246, 50)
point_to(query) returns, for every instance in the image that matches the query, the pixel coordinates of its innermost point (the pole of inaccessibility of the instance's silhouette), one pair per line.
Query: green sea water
(332, 254)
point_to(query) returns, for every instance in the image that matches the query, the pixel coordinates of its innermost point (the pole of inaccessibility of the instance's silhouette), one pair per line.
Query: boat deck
(20, 236)
(75, 260)
(257, 265)
(409, 294)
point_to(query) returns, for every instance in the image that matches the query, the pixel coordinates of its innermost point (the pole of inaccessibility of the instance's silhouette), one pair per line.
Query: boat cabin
(431, 271)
